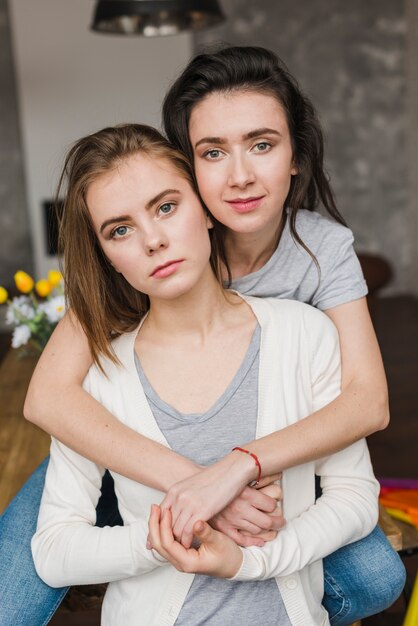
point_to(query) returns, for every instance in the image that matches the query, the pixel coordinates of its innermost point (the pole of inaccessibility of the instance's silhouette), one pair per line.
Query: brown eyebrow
(261, 131)
(114, 220)
(149, 205)
(159, 197)
(258, 132)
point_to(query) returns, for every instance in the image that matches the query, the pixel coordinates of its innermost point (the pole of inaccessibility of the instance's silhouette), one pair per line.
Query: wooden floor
(22, 445)
(393, 451)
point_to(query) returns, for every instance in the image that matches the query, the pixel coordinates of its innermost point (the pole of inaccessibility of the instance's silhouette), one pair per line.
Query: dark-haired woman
(257, 151)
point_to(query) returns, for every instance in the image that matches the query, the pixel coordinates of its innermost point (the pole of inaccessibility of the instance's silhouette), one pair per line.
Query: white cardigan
(299, 373)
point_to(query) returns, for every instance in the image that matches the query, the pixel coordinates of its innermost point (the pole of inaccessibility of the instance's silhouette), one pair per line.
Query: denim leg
(362, 579)
(24, 599)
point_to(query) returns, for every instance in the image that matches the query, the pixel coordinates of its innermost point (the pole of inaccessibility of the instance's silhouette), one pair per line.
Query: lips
(166, 269)
(245, 205)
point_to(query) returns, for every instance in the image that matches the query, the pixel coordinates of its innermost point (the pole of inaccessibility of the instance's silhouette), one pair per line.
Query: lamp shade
(155, 17)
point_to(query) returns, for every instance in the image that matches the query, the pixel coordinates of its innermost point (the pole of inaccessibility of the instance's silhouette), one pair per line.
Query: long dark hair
(257, 69)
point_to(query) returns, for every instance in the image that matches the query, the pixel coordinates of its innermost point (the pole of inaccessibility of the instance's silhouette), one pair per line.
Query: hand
(253, 518)
(204, 494)
(207, 492)
(217, 555)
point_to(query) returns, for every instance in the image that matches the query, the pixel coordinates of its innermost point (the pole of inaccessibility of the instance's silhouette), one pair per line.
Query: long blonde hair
(105, 304)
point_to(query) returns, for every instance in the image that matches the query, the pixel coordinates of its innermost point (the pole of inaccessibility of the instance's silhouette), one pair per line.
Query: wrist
(244, 466)
(235, 564)
(255, 474)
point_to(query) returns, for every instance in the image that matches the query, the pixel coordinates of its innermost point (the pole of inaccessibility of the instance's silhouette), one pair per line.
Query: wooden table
(22, 445)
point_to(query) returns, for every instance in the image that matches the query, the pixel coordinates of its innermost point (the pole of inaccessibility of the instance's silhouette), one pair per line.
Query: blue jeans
(361, 579)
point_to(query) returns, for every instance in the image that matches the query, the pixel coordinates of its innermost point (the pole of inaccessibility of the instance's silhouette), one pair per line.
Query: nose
(241, 172)
(154, 239)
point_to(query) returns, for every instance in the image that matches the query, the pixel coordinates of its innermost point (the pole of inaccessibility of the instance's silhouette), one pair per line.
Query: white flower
(21, 335)
(21, 308)
(11, 315)
(54, 308)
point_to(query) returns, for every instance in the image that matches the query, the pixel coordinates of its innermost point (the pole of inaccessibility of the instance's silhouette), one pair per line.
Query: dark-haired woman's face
(243, 159)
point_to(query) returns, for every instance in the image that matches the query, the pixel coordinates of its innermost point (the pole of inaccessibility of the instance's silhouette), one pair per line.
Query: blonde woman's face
(243, 159)
(151, 226)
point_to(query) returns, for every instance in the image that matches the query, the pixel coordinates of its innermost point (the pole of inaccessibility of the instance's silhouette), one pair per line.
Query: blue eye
(166, 208)
(119, 231)
(212, 154)
(263, 146)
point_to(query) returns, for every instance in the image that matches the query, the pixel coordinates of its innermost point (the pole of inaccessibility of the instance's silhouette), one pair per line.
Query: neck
(249, 252)
(196, 313)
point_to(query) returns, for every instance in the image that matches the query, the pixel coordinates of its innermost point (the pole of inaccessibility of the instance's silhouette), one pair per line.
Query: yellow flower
(43, 287)
(3, 295)
(23, 281)
(54, 277)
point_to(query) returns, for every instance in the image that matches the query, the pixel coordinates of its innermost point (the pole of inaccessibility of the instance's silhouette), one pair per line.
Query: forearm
(67, 547)
(78, 554)
(340, 414)
(57, 403)
(96, 434)
(335, 426)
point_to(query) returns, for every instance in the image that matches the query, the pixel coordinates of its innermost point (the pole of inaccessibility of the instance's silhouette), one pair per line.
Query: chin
(171, 292)
(247, 225)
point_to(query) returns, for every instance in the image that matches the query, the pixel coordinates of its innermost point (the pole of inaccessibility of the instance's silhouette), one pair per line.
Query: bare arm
(360, 409)
(57, 403)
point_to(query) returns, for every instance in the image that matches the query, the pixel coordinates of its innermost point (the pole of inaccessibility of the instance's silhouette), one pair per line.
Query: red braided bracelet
(253, 483)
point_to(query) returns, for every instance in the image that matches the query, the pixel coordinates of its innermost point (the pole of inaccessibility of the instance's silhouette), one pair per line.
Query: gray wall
(349, 57)
(412, 135)
(15, 247)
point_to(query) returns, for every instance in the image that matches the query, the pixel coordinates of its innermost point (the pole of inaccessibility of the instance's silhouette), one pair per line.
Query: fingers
(183, 529)
(269, 535)
(276, 522)
(256, 521)
(154, 528)
(204, 532)
(267, 480)
(243, 540)
(260, 500)
(162, 539)
(273, 491)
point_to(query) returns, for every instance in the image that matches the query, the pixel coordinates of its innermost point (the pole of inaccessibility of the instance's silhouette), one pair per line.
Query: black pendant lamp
(155, 17)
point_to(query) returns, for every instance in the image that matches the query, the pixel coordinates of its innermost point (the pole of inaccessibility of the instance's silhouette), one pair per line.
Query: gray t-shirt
(205, 439)
(291, 272)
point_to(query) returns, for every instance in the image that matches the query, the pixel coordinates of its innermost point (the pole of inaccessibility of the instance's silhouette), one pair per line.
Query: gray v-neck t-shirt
(205, 438)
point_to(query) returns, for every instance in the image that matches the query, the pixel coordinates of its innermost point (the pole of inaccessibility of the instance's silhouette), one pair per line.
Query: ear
(294, 170)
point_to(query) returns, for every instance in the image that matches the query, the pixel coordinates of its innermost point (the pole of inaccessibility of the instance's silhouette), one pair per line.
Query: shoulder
(338, 276)
(293, 315)
(315, 229)
(109, 371)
